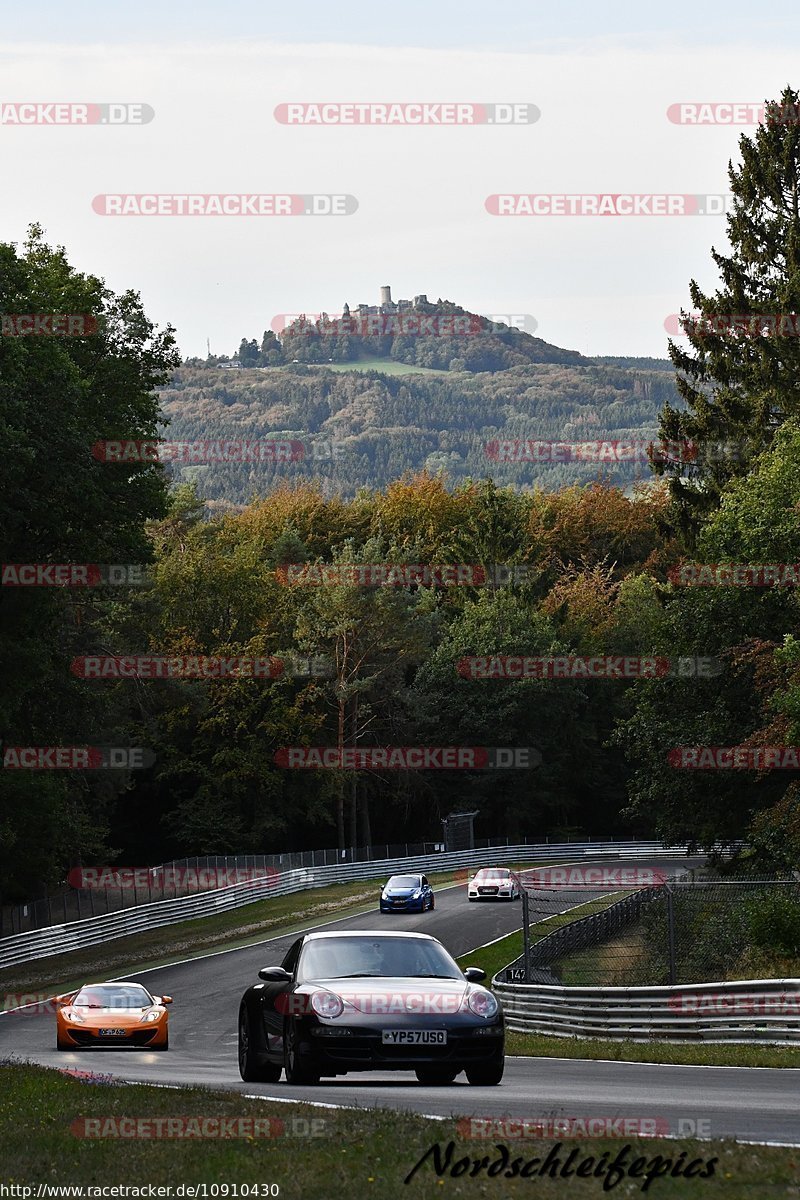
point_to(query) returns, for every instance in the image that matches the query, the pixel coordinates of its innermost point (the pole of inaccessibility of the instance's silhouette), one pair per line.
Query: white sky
(600, 285)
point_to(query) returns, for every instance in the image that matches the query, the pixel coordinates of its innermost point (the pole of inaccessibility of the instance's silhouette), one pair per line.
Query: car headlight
(327, 1004)
(417, 894)
(151, 1016)
(70, 1014)
(482, 1003)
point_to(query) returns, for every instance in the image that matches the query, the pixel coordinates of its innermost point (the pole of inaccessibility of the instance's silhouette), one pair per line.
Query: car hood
(112, 1016)
(400, 995)
(401, 891)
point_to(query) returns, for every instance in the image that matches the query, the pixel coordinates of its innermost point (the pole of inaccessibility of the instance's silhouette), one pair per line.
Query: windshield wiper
(359, 975)
(428, 975)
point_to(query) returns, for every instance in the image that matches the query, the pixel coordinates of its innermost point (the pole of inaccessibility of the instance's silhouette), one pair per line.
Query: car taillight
(327, 1004)
(482, 1003)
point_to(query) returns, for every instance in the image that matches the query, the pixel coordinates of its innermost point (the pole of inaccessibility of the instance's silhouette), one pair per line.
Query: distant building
(387, 305)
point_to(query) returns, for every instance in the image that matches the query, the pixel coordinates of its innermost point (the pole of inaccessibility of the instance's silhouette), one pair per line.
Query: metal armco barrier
(77, 935)
(746, 1011)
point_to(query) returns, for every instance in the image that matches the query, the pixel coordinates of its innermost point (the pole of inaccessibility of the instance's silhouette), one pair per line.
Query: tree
(59, 503)
(743, 627)
(740, 385)
(373, 636)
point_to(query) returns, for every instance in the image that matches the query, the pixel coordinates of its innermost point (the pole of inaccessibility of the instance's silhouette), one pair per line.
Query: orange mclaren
(112, 1014)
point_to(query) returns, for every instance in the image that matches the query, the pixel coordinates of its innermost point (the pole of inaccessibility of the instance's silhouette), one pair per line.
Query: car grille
(371, 1049)
(140, 1037)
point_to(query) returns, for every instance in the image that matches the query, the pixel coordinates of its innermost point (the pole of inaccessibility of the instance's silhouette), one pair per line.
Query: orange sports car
(112, 1014)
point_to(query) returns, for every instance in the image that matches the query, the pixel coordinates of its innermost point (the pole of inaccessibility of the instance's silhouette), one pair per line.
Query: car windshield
(364, 957)
(120, 995)
(492, 874)
(404, 881)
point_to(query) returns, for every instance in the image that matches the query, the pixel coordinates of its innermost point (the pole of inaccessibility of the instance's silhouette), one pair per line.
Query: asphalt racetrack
(751, 1104)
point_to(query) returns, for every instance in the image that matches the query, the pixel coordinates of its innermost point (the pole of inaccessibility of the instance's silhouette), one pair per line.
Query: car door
(427, 890)
(274, 1005)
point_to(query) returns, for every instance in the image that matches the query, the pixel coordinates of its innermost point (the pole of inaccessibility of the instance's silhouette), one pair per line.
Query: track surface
(750, 1104)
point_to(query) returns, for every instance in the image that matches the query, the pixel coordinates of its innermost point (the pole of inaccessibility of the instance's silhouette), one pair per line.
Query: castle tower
(386, 296)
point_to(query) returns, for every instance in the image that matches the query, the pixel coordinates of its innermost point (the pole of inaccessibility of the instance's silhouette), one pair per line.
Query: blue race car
(407, 893)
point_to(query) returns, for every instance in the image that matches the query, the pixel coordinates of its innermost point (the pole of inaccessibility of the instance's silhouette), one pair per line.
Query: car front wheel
(486, 1074)
(297, 1070)
(250, 1068)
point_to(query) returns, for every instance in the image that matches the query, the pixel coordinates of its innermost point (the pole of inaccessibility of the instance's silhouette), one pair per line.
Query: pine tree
(740, 384)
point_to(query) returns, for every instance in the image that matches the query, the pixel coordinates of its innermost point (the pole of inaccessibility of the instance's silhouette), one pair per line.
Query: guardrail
(744, 1011)
(91, 931)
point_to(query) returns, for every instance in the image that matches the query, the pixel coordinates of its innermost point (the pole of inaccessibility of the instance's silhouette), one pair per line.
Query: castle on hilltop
(387, 305)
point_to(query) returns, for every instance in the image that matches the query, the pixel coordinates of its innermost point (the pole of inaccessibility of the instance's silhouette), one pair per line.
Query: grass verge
(354, 1152)
(695, 1054)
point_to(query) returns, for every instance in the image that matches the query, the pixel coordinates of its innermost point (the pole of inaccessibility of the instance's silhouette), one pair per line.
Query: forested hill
(370, 406)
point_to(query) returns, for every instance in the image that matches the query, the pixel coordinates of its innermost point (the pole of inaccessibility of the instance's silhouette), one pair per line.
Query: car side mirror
(166, 999)
(274, 975)
(474, 974)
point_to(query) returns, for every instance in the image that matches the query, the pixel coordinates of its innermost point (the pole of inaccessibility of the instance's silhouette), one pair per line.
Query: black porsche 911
(370, 1001)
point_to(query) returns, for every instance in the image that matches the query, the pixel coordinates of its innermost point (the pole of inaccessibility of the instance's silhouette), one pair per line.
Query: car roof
(369, 933)
(486, 870)
(406, 875)
(115, 983)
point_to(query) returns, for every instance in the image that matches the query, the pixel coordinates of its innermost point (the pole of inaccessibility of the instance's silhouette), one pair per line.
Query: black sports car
(370, 1001)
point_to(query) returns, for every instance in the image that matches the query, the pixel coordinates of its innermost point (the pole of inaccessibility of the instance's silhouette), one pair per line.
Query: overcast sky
(602, 76)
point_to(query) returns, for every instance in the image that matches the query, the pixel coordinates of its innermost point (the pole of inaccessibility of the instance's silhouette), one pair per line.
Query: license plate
(414, 1037)
(111, 1032)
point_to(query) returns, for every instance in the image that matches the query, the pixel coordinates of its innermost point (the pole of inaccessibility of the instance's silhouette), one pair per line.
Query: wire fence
(681, 931)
